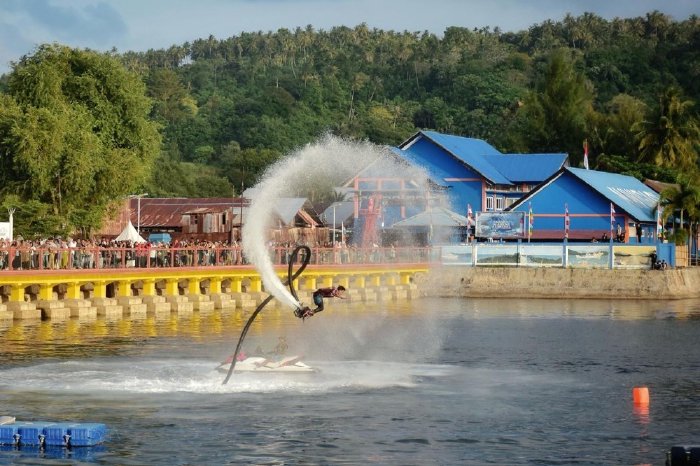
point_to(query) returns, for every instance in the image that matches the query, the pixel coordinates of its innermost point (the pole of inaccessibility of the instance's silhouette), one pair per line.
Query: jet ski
(262, 364)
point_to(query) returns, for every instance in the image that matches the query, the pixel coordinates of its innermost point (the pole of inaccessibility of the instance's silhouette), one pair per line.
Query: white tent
(129, 233)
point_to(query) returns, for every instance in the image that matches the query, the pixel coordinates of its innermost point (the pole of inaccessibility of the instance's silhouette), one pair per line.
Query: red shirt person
(319, 294)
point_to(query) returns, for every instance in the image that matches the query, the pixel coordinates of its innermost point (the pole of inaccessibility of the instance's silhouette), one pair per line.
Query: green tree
(172, 102)
(74, 132)
(683, 198)
(555, 113)
(243, 167)
(668, 137)
(617, 133)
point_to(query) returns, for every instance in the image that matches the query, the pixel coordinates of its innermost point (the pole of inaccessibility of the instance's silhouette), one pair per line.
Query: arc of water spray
(290, 283)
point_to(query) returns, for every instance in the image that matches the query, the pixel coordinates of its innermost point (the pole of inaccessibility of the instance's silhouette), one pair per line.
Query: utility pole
(240, 200)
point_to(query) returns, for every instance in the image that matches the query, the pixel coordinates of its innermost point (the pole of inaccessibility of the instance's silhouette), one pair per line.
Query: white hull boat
(261, 364)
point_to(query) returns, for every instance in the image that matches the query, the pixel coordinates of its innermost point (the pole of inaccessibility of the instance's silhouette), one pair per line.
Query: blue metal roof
(527, 168)
(626, 192)
(470, 151)
(498, 168)
(409, 157)
(462, 145)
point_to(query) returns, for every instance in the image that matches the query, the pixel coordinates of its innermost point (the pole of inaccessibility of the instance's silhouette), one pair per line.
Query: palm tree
(683, 198)
(666, 137)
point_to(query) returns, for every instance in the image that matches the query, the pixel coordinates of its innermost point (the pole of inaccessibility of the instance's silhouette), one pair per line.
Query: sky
(140, 25)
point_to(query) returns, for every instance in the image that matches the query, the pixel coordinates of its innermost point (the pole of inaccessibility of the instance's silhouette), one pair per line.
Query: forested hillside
(240, 102)
(229, 107)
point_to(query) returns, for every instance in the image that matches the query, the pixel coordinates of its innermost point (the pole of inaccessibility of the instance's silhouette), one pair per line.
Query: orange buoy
(641, 396)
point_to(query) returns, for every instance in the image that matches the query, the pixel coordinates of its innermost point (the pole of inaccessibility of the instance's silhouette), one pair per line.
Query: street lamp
(138, 210)
(334, 224)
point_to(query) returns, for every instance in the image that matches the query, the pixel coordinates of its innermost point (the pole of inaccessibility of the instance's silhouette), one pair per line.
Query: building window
(509, 202)
(489, 203)
(499, 203)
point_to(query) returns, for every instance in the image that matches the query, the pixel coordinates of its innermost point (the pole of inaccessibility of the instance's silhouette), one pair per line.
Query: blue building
(476, 174)
(600, 205)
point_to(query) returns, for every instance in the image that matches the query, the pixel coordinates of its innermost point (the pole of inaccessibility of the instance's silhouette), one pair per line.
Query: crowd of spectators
(69, 253)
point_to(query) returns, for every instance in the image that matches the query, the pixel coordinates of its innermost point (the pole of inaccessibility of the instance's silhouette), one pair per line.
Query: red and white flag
(566, 221)
(612, 219)
(585, 153)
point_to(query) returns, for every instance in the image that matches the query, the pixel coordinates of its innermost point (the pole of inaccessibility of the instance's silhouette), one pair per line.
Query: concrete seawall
(504, 282)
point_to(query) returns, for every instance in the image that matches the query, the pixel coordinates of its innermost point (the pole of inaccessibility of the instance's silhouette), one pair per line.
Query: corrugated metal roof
(470, 151)
(409, 157)
(208, 210)
(437, 216)
(343, 211)
(527, 168)
(496, 167)
(168, 212)
(659, 186)
(626, 192)
(461, 144)
(287, 207)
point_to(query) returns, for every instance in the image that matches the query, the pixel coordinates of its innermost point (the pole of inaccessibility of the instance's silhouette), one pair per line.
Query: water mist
(330, 158)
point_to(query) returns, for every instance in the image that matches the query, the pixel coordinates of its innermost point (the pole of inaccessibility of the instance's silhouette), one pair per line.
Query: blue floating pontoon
(54, 434)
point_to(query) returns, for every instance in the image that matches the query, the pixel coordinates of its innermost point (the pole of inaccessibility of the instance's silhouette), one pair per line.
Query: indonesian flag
(566, 220)
(612, 219)
(585, 153)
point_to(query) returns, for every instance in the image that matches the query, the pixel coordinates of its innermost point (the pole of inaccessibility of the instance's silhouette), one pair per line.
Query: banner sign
(500, 225)
(5, 230)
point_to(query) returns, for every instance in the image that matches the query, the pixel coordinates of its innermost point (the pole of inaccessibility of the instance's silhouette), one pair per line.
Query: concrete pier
(136, 293)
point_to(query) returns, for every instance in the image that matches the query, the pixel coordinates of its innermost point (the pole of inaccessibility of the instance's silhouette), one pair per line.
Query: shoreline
(558, 283)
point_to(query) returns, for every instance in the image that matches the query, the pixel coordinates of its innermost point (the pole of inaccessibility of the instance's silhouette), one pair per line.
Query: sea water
(429, 381)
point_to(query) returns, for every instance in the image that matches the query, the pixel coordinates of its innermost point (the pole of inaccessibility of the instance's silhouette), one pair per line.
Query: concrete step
(129, 300)
(84, 312)
(104, 301)
(46, 304)
(182, 308)
(136, 310)
(158, 308)
(153, 299)
(77, 303)
(223, 301)
(177, 299)
(204, 306)
(23, 310)
(243, 300)
(110, 310)
(198, 298)
(56, 313)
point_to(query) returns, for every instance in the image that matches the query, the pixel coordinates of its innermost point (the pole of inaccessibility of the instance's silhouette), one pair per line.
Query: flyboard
(290, 364)
(290, 283)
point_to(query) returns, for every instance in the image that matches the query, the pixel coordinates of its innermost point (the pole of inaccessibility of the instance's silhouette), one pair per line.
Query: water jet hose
(289, 282)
